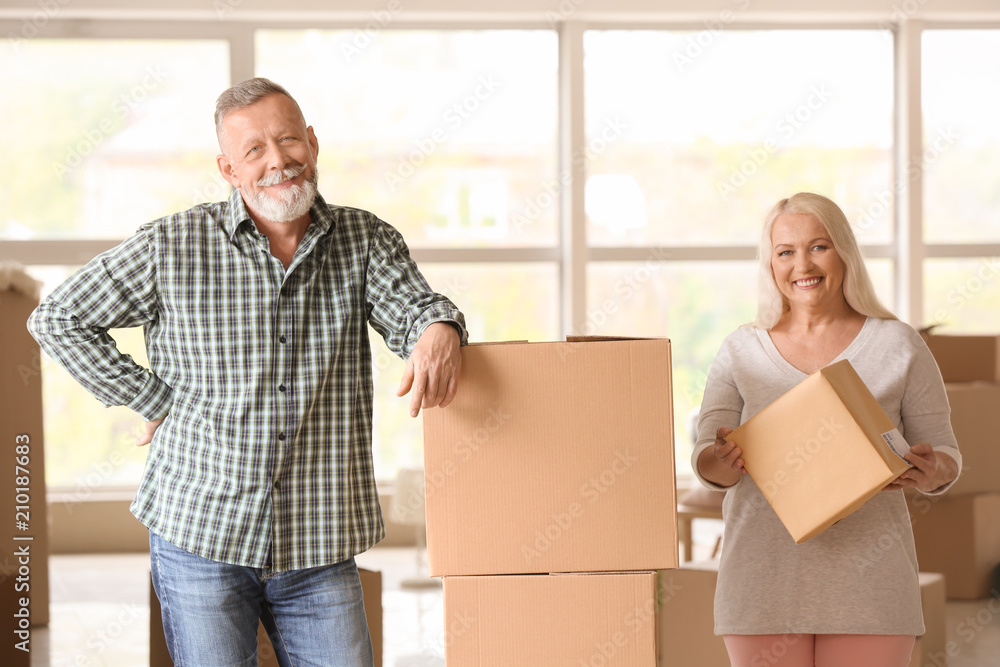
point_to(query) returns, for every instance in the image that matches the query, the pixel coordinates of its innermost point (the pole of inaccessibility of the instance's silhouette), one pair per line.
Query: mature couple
(259, 490)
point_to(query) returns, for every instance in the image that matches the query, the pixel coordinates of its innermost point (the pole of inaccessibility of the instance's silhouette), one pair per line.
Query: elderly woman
(848, 596)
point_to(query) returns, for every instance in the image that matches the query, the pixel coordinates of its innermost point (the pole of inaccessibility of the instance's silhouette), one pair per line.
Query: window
(451, 135)
(118, 133)
(451, 144)
(692, 149)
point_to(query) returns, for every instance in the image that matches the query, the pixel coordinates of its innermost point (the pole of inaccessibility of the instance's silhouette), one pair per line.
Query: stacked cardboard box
(24, 553)
(551, 502)
(957, 534)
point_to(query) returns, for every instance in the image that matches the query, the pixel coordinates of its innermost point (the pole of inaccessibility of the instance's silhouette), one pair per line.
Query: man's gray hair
(243, 95)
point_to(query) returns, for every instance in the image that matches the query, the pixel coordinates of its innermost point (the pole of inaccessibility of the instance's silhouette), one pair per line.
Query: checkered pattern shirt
(264, 374)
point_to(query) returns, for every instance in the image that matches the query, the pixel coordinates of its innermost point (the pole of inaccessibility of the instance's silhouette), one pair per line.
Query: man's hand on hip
(147, 437)
(433, 368)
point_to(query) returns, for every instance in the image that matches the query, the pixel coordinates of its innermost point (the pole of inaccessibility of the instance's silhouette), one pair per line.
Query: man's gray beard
(294, 203)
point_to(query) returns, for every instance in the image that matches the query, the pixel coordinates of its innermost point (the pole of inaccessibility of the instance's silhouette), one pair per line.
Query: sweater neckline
(772, 350)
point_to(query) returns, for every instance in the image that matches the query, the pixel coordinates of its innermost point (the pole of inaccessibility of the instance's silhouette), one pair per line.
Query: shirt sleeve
(925, 411)
(400, 302)
(114, 290)
(722, 405)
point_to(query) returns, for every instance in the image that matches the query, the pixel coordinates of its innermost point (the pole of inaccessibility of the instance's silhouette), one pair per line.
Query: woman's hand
(930, 470)
(722, 463)
(728, 452)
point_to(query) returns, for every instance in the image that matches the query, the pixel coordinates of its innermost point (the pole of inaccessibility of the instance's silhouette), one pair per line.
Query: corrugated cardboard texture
(817, 453)
(554, 457)
(551, 620)
(21, 415)
(974, 408)
(966, 358)
(958, 536)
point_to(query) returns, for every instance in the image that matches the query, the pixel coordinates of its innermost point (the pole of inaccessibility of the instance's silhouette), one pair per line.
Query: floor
(100, 614)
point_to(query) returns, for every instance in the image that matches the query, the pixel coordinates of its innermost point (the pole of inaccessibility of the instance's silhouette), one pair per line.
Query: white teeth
(809, 282)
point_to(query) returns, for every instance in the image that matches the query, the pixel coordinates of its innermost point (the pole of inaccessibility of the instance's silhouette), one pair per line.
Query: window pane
(963, 295)
(694, 304)
(113, 133)
(693, 136)
(500, 302)
(961, 104)
(87, 447)
(448, 135)
(880, 271)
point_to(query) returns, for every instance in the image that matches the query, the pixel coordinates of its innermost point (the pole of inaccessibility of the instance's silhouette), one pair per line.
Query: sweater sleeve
(925, 411)
(722, 405)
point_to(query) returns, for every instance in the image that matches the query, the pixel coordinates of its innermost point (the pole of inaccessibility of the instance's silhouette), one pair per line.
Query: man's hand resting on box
(930, 470)
(433, 369)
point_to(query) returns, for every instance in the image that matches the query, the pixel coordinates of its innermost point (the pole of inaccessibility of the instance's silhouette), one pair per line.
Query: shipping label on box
(570, 620)
(554, 457)
(821, 450)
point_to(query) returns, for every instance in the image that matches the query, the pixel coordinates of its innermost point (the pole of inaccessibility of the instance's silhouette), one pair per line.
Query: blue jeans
(314, 617)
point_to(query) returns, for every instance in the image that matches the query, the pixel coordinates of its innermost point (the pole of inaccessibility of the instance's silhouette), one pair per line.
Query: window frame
(572, 252)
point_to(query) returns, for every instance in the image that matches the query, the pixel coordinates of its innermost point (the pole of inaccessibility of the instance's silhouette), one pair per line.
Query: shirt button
(281, 387)
(281, 340)
(281, 437)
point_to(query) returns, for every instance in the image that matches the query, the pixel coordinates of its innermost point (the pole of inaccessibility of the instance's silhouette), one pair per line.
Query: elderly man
(258, 490)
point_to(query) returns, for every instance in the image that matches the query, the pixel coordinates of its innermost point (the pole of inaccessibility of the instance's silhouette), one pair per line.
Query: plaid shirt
(264, 374)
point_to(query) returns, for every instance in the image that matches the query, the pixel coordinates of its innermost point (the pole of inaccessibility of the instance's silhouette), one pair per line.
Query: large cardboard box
(966, 358)
(24, 549)
(974, 408)
(371, 583)
(958, 535)
(564, 620)
(554, 457)
(821, 450)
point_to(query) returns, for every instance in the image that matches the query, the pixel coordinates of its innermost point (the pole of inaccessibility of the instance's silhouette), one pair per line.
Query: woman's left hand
(930, 470)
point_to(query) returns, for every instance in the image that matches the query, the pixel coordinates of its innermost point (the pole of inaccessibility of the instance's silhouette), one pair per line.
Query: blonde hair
(858, 289)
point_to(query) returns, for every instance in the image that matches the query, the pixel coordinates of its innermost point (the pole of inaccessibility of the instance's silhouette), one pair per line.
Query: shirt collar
(237, 214)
